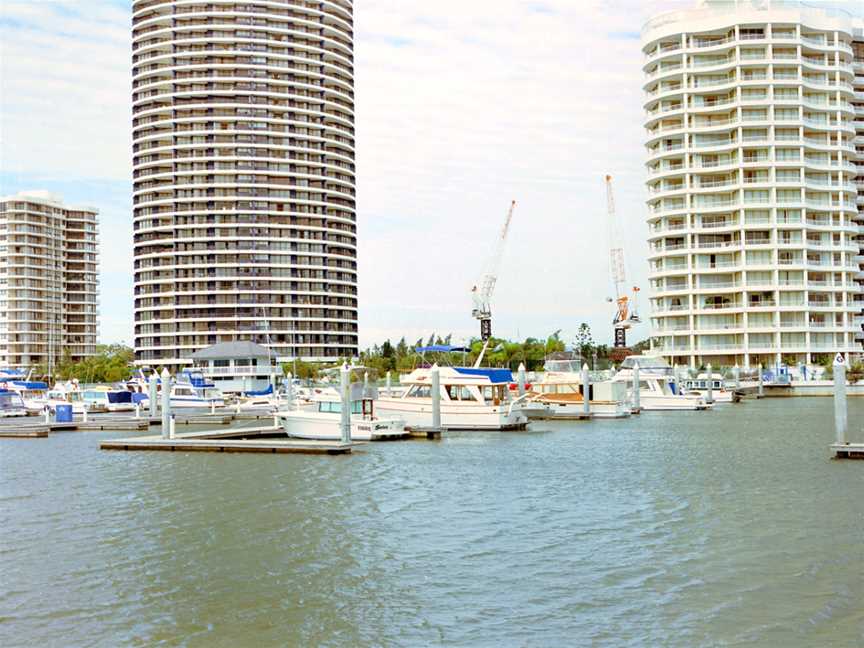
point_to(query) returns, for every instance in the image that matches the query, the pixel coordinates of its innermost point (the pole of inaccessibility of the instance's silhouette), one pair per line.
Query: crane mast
(482, 292)
(625, 311)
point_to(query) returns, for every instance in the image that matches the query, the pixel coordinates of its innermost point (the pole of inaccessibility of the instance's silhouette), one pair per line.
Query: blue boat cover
(30, 385)
(494, 375)
(445, 348)
(139, 398)
(260, 392)
(119, 397)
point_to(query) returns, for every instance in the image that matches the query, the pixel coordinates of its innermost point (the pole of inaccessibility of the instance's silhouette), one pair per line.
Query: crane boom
(482, 292)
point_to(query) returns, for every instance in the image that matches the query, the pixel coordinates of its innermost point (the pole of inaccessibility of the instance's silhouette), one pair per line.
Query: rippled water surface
(730, 527)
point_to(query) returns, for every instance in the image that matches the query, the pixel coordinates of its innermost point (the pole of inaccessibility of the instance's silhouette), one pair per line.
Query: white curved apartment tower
(753, 207)
(244, 213)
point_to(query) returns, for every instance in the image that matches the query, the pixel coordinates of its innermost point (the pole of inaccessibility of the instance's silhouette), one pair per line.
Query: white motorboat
(186, 395)
(471, 399)
(699, 387)
(34, 394)
(658, 388)
(108, 400)
(11, 404)
(324, 422)
(67, 394)
(563, 397)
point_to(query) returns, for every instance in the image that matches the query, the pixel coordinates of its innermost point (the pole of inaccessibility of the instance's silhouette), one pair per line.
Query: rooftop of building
(43, 197)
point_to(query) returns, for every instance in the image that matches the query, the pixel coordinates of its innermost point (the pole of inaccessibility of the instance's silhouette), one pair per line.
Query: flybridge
(463, 375)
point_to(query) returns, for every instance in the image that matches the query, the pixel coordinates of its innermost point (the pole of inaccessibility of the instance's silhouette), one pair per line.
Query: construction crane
(626, 313)
(482, 292)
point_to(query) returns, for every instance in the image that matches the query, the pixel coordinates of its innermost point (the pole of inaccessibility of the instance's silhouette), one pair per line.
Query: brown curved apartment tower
(243, 145)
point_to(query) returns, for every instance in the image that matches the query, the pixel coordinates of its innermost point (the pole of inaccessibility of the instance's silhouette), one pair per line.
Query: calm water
(725, 528)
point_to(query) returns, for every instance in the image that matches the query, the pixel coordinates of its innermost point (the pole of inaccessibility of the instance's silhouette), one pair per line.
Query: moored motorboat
(323, 422)
(719, 394)
(11, 404)
(470, 399)
(106, 399)
(658, 388)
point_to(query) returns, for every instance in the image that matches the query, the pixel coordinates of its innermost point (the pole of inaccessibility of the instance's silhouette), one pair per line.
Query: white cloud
(461, 107)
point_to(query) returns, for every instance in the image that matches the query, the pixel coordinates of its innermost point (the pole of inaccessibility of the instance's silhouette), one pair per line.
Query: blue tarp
(30, 385)
(444, 348)
(261, 392)
(494, 375)
(119, 397)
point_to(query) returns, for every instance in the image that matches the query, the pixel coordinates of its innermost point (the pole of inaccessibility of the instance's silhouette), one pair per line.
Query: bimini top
(461, 376)
(25, 384)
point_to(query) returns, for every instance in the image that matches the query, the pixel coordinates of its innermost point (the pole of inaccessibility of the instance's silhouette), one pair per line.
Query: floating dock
(268, 439)
(848, 450)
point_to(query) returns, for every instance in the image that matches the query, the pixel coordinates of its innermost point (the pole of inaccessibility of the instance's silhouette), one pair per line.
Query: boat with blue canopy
(472, 398)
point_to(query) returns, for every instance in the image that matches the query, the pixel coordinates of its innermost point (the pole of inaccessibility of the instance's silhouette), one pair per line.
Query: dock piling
(521, 378)
(436, 397)
(586, 390)
(840, 412)
(289, 390)
(389, 386)
(760, 392)
(365, 384)
(709, 397)
(345, 388)
(47, 415)
(153, 394)
(212, 406)
(172, 426)
(736, 372)
(137, 410)
(637, 405)
(166, 402)
(84, 416)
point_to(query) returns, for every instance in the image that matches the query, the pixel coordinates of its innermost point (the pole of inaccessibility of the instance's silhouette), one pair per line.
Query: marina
(581, 523)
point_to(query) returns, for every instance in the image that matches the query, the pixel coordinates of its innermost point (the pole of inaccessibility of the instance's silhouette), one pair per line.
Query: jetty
(268, 439)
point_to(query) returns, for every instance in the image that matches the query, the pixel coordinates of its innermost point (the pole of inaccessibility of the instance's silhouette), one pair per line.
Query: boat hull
(326, 427)
(453, 417)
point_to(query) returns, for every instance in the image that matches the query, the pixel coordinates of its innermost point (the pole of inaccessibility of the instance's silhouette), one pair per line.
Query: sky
(461, 107)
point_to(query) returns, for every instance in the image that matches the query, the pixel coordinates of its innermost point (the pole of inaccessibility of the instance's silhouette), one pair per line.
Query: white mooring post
(166, 403)
(521, 378)
(289, 391)
(212, 406)
(84, 416)
(172, 426)
(47, 415)
(389, 386)
(761, 382)
(436, 397)
(736, 372)
(153, 396)
(841, 425)
(709, 398)
(586, 389)
(273, 382)
(137, 410)
(345, 388)
(637, 405)
(365, 384)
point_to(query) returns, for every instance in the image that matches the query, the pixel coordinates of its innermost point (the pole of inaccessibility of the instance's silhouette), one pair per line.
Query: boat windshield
(10, 400)
(563, 366)
(650, 364)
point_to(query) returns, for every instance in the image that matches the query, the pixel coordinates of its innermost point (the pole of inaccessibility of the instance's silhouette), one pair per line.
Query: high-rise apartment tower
(48, 281)
(754, 171)
(243, 145)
